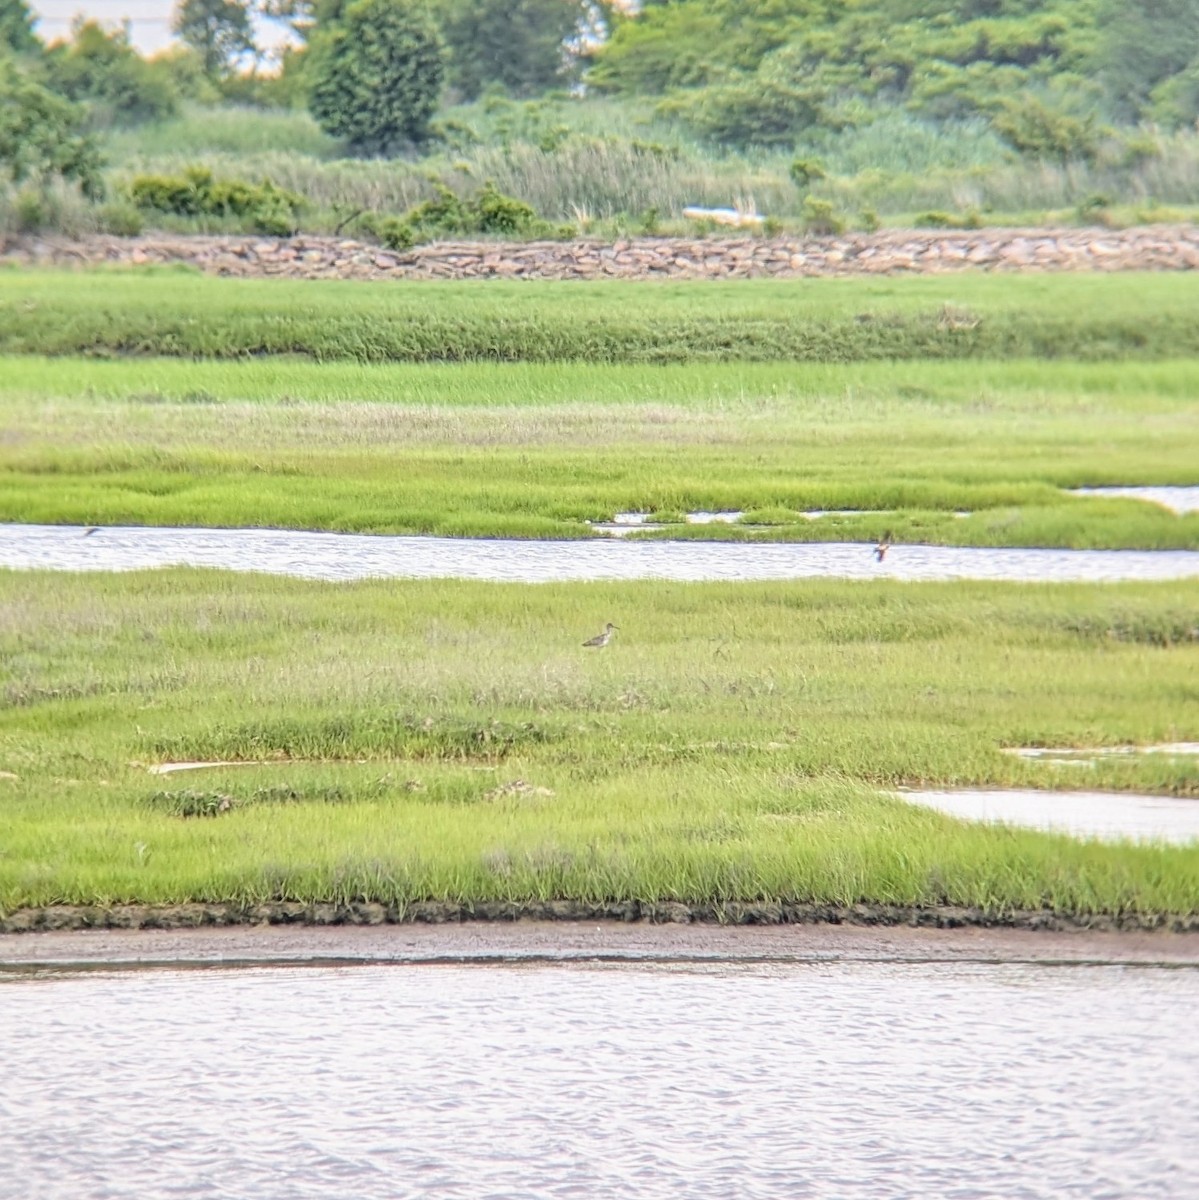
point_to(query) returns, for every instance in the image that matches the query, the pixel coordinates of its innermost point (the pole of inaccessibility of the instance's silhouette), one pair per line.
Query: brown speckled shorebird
(601, 639)
(880, 551)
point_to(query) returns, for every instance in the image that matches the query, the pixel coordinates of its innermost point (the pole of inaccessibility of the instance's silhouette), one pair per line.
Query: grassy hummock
(957, 453)
(177, 312)
(451, 741)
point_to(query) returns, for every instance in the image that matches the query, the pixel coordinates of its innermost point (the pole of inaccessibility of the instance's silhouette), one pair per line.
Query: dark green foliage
(695, 42)
(821, 217)
(16, 27)
(104, 72)
(376, 74)
(41, 134)
(1033, 128)
(220, 32)
(448, 214)
(121, 218)
(393, 232)
(806, 171)
(765, 109)
(763, 74)
(518, 45)
(938, 219)
(1143, 45)
(269, 209)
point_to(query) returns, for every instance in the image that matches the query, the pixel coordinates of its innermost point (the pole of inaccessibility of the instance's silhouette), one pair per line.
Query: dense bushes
(448, 214)
(41, 135)
(267, 208)
(763, 74)
(376, 74)
(102, 71)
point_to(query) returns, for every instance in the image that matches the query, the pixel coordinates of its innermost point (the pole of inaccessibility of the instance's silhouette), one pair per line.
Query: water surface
(1108, 816)
(832, 1081)
(337, 556)
(1176, 499)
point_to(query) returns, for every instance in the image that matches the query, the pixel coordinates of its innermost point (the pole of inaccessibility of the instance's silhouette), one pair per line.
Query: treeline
(1046, 74)
(667, 89)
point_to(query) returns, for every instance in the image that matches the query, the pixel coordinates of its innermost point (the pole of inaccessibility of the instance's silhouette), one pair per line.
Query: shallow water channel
(1106, 816)
(337, 556)
(828, 1080)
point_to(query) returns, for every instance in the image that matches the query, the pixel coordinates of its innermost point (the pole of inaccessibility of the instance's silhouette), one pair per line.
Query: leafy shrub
(939, 219)
(41, 135)
(1033, 128)
(267, 208)
(806, 171)
(1094, 208)
(821, 217)
(517, 44)
(29, 211)
(102, 71)
(376, 74)
(447, 214)
(498, 213)
(393, 232)
(121, 218)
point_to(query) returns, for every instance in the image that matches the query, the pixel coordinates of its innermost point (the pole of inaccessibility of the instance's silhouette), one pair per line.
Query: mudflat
(549, 941)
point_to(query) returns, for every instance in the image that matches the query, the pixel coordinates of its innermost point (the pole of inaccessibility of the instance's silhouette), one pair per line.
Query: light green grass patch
(530, 450)
(727, 745)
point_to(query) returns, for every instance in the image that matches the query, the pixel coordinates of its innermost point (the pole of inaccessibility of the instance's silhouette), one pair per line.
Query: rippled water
(832, 1081)
(1176, 499)
(357, 556)
(1108, 816)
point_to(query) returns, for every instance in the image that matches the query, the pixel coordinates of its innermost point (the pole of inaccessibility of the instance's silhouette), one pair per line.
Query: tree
(104, 72)
(376, 74)
(16, 27)
(220, 32)
(519, 44)
(1143, 44)
(40, 134)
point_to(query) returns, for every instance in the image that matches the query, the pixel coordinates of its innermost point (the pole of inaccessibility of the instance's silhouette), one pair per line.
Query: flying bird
(880, 551)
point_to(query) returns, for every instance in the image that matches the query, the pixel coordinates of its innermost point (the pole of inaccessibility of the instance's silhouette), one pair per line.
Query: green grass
(540, 449)
(728, 745)
(177, 313)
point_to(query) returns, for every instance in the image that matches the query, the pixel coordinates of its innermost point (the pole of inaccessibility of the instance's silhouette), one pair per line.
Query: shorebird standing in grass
(880, 551)
(601, 639)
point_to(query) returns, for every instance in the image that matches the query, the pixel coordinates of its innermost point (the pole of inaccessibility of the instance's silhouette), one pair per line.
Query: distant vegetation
(821, 114)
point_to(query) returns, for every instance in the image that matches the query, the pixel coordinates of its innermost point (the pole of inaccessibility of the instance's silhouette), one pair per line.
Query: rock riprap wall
(1146, 248)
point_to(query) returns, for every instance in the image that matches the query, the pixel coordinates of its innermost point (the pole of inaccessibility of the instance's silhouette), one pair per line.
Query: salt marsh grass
(729, 746)
(540, 449)
(172, 313)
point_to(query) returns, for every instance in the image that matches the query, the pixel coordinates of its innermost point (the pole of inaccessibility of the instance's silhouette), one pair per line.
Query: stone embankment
(1146, 248)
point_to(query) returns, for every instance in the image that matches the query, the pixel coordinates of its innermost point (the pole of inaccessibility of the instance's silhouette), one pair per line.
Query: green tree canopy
(1143, 44)
(16, 27)
(103, 71)
(220, 32)
(377, 73)
(518, 44)
(41, 134)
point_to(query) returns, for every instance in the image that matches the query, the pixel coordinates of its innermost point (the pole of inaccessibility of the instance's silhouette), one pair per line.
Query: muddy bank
(201, 916)
(578, 941)
(918, 251)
